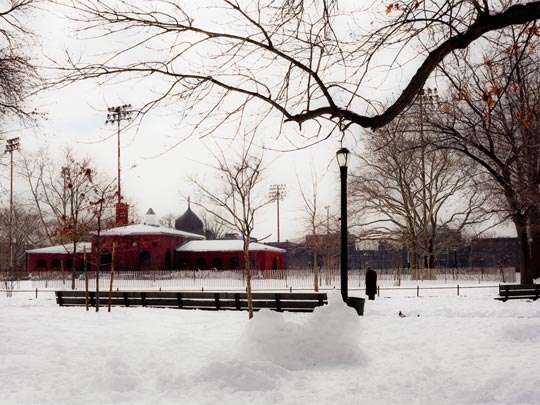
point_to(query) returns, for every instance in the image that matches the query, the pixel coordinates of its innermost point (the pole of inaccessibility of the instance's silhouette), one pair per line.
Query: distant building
(494, 252)
(149, 246)
(56, 258)
(229, 255)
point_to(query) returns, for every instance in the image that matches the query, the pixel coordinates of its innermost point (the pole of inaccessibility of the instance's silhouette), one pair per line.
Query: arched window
(252, 262)
(105, 259)
(144, 259)
(55, 263)
(234, 262)
(217, 262)
(69, 263)
(168, 260)
(275, 263)
(41, 263)
(201, 263)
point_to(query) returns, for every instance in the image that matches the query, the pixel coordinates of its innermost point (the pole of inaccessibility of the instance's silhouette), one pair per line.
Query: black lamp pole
(342, 157)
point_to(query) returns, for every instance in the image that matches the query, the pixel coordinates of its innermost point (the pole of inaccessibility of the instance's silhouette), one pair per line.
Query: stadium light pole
(12, 145)
(116, 115)
(277, 192)
(342, 156)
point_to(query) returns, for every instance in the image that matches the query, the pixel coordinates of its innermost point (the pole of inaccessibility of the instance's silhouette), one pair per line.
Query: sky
(154, 173)
(449, 349)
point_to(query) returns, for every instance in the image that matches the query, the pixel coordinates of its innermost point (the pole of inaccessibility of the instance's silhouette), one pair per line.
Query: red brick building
(55, 258)
(228, 255)
(140, 247)
(152, 247)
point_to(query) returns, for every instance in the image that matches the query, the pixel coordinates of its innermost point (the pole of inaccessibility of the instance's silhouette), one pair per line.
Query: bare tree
(493, 119)
(62, 199)
(26, 234)
(214, 228)
(315, 223)
(306, 60)
(414, 193)
(102, 197)
(18, 75)
(168, 220)
(236, 203)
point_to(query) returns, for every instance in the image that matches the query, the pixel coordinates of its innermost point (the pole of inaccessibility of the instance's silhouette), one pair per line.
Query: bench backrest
(304, 302)
(519, 290)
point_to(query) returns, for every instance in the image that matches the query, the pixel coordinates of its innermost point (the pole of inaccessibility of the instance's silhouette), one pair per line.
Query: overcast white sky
(151, 178)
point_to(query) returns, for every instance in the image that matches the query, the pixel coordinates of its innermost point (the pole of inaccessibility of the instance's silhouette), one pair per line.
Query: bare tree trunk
(414, 262)
(534, 241)
(524, 250)
(112, 276)
(315, 263)
(85, 264)
(247, 267)
(73, 265)
(98, 265)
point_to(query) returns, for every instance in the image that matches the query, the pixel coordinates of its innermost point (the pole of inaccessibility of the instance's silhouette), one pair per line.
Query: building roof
(141, 229)
(236, 245)
(62, 249)
(189, 222)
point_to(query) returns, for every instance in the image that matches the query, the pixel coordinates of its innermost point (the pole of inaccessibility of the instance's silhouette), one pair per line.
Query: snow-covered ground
(449, 349)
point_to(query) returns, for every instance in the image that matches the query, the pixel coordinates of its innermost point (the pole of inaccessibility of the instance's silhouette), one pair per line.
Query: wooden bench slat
(518, 291)
(197, 300)
(514, 287)
(199, 294)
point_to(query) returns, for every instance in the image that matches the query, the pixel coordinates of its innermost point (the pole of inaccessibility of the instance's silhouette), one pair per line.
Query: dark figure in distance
(371, 283)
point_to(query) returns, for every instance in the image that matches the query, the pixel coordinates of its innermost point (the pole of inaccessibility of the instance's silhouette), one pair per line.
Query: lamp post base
(357, 303)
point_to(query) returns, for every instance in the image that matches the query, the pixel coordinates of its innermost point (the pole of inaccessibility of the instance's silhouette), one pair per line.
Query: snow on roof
(234, 245)
(141, 229)
(62, 249)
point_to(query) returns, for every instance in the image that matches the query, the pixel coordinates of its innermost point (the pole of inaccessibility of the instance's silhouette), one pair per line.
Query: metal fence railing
(266, 279)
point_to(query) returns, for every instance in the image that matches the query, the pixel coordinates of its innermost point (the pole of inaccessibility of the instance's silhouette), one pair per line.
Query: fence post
(458, 290)
(36, 293)
(418, 291)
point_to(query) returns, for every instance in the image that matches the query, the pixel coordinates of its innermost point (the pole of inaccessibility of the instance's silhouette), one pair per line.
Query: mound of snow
(329, 336)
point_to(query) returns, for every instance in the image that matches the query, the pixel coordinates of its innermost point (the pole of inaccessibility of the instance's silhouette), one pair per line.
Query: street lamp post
(12, 145)
(342, 156)
(277, 192)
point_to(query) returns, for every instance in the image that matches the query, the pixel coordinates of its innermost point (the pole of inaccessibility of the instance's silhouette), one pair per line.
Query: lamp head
(342, 157)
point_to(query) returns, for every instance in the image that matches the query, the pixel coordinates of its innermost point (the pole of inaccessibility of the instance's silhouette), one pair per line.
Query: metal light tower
(12, 145)
(115, 115)
(342, 156)
(426, 98)
(277, 193)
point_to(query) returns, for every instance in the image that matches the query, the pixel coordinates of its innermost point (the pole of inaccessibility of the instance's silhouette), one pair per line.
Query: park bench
(518, 291)
(297, 302)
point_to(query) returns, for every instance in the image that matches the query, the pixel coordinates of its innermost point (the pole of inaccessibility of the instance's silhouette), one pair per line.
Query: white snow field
(449, 349)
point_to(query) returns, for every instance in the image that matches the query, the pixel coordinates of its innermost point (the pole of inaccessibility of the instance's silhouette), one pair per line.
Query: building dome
(189, 222)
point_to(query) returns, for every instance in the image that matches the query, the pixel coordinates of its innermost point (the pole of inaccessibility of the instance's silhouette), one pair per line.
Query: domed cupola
(189, 222)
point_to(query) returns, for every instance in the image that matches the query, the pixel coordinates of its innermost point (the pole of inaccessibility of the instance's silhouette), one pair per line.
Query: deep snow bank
(329, 336)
